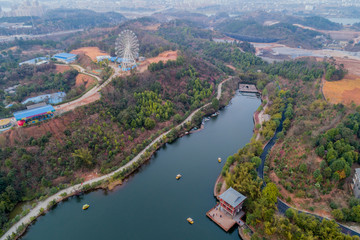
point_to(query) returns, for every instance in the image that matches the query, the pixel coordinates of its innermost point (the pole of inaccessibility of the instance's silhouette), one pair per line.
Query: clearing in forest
(164, 56)
(91, 52)
(62, 68)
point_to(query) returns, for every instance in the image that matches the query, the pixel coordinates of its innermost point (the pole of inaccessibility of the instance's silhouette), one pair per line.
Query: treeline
(334, 72)
(281, 101)
(153, 67)
(303, 69)
(340, 149)
(229, 53)
(320, 23)
(347, 214)
(251, 30)
(53, 81)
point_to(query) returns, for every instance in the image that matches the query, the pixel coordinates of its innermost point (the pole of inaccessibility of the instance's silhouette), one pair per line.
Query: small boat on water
(219, 160)
(178, 176)
(86, 206)
(215, 114)
(190, 220)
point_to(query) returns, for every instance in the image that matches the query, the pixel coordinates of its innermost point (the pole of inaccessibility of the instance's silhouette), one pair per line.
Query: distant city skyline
(140, 7)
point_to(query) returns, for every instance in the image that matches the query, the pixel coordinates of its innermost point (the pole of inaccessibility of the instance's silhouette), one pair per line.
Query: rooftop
(35, 61)
(64, 55)
(232, 197)
(33, 112)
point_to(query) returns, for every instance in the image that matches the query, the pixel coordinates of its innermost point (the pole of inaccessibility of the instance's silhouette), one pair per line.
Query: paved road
(90, 94)
(43, 204)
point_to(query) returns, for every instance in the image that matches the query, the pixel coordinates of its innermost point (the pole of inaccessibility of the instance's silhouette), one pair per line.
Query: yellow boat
(86, 206)
(190, 220)
(219, 160)
(178, 176)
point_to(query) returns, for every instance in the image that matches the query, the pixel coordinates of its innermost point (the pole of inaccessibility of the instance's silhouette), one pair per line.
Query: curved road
(43, 204)
(91, 94)
(282, 206)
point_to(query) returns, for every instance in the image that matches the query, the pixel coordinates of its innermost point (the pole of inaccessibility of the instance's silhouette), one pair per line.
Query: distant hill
(62, 20)
(319, 23)
(251, 30)
(80, 18)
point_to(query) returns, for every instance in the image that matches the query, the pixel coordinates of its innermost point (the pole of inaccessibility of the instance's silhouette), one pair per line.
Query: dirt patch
(91, 52)
(344, 91)
(62, 68)
(86, 62)
(352, 65)
(165, 56)
(55, 126)
(231, 67)
(83, 79)
(152, 27)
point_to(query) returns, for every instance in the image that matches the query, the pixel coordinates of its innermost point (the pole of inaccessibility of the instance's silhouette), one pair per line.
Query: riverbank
(122, 172)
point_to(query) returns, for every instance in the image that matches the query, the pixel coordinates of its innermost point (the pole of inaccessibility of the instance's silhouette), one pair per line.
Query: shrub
(333, 205)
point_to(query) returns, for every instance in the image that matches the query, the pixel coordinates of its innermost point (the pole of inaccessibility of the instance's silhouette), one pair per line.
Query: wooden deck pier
(223, 219)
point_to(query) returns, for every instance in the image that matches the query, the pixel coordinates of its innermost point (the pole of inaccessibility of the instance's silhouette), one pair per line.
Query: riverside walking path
(73, 189)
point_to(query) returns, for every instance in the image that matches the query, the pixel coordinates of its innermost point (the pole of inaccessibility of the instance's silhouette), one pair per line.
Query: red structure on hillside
(231, 201)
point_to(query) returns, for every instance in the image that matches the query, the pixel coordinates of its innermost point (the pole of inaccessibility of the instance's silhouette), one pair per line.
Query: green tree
(215, 103)
(149, 123)
(337, 214)
(256, 161)
(83, 156)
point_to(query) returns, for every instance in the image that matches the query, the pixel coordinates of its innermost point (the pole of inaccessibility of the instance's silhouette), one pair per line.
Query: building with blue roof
(36, 61)
(34, 115)
(65, 57)
(231, 201)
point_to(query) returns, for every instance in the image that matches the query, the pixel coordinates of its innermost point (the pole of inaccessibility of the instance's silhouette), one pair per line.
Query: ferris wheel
(127, 49)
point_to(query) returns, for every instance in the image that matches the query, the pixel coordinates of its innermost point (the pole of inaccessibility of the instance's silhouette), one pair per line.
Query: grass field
(344, 91)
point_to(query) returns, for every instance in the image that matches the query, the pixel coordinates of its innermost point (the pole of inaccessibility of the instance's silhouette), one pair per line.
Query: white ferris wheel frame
(127, 49)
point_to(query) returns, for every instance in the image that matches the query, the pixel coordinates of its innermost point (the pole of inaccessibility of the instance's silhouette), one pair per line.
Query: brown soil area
(83, 79)
(91, 52)
(165, 56)
(352, 65)
(62, 68)
(55, 126)
(344, 91)
(87, 175)
(86, 62)
(152, 27)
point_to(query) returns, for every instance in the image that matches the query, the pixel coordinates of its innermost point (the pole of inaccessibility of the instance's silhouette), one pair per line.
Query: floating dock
(248, 88)
(223, 219)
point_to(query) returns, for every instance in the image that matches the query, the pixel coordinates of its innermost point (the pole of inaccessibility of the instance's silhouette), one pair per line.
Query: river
(152, 204)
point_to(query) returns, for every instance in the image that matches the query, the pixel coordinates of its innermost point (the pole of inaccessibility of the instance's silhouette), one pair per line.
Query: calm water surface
(152, 204)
